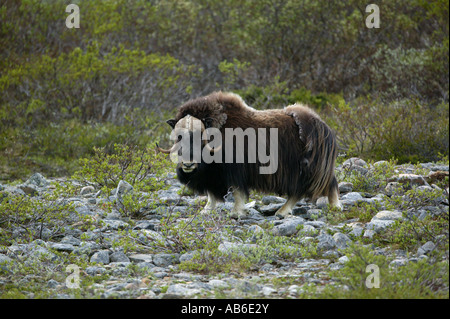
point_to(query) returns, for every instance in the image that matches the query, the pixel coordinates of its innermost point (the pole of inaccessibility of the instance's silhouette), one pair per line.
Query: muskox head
(191, 140)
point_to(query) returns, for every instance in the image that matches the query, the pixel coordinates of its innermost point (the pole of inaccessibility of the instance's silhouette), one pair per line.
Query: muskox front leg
(286, 209)
(210, 204)
(239, 204)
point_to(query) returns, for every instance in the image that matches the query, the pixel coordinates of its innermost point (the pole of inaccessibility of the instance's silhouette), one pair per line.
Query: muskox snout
(188, 167)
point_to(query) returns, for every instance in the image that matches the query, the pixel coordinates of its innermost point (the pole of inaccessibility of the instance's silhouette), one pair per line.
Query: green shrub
(421, 279)
(141, 168)
(406, 130)
(24, 219)
(374, 180)
(413, 230)
(91, 85)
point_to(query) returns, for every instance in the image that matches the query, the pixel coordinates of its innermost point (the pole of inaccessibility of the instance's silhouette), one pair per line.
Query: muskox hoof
(282, 213)
(206, 211)
(338, 206)
(238, 214)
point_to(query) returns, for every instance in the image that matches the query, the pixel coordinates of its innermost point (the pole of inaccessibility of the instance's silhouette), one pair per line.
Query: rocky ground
(115, 255)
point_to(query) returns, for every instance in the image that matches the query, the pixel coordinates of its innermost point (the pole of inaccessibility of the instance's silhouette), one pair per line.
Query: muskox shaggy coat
(306, 153)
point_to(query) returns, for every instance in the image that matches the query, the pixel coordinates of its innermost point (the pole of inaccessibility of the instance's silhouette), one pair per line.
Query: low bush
(405, 130)
(370, 275)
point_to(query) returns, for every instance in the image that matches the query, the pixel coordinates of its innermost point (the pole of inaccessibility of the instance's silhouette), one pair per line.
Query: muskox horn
(210, 149)
(163, 150)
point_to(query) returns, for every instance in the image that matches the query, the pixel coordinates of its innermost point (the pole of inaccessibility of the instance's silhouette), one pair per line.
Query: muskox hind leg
(286, 209)
(333, 195)
(239, 204)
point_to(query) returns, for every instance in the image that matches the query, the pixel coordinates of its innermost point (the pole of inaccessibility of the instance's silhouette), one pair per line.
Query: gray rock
(186, 256)
(87, 190)
(182, 290)
(266, 200)
(326, 242)
(378, 226)
(336, 266)
(393, 188)
(322, 202)
(398, 262)
(82, 209)
(357, 231)
(380, 163)
(356, 165)
(101, 257)
(343, 259)
(308, 231)
(252, 216)
(352, 196)
(62, 247)
(13, 190)
(164, 260)
(123, 188)
(217, 283)
(86, 248)
(345, 187)
(383, 219)
(387, 215)
(300, 211)
(257, 232)
(95, 270)
(37, 250)
(139, 258)
(145, 224)
(115, 224)
(270, 209)
(29, 189)
(248, 287)
(342, 240)
(294, 289)
(288, 227)
(354, 161)
(316, 223)
(52, 283)
(267, 291)
(69, 239)
(314, 214)
(119, 256)
(426, 248)
(369, 233)
(38, 180)
(169, 198)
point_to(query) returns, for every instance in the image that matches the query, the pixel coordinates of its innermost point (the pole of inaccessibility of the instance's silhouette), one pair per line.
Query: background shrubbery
(117, 77)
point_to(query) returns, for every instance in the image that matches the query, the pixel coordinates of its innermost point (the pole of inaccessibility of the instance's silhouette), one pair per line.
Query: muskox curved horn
(210, 149)
(163, 150)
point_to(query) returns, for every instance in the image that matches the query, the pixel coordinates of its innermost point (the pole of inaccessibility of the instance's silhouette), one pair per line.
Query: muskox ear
(208, 121)
(171, 122)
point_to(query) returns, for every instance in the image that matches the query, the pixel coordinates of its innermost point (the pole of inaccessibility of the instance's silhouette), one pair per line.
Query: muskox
(305, 156)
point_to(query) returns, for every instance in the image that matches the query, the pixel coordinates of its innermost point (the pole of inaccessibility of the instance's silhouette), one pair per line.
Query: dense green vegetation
(113, 80)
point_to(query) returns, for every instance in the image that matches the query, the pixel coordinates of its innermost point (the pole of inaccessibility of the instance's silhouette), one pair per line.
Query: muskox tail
(320, 151)
(322, 160)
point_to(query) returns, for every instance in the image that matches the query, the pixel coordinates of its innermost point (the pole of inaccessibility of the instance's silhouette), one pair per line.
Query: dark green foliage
(24, 219)
(406, 130)
(420, 279)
